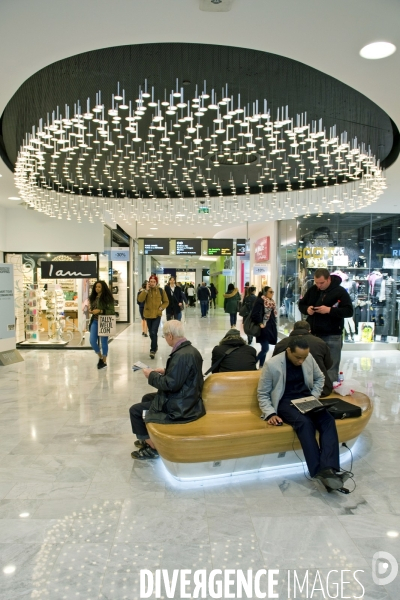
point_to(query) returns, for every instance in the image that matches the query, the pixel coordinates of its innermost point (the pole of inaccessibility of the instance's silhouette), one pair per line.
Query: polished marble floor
(79, 518)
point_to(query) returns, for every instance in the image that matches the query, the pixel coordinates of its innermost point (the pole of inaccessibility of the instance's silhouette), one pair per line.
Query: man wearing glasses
(178, 397)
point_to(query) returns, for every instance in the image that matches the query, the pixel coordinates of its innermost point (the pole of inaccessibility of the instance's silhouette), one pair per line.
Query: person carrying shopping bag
(101, 303)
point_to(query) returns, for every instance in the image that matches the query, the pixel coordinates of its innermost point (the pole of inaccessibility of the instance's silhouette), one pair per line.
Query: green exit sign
(204, 209)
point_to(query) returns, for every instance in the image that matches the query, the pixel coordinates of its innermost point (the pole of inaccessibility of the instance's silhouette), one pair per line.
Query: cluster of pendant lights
(158, 161)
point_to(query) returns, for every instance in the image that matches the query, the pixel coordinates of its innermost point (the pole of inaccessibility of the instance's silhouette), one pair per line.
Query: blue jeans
(94, 339)
(203, 307)
(153, 325)
(263, 352)
(334, 343)
(233, 318)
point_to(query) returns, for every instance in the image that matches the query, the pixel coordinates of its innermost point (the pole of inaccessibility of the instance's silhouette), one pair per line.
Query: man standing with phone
(326, 305)
(155, 300)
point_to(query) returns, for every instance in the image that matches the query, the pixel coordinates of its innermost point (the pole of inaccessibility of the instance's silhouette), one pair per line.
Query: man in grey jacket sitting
(291, 375)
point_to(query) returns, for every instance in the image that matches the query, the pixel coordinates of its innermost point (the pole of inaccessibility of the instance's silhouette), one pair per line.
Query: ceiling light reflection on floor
(377, 50)
(9, 570)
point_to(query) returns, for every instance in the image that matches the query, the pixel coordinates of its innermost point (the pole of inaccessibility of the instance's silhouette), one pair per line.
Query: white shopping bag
(107, 325)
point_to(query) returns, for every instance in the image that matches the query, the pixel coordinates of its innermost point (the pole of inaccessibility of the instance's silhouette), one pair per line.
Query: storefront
(364, 250)
(52, 297)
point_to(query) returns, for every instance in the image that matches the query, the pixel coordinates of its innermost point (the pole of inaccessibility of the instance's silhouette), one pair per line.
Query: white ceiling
(325, 34)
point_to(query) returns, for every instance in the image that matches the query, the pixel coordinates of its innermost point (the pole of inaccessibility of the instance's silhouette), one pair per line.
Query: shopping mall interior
(219, 142)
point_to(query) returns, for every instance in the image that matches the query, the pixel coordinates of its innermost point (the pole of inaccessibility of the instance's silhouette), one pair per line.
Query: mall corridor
(79, 518)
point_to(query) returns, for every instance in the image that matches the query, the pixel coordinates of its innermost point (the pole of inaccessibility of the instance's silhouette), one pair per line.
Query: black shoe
(140, 444)
(145, 335)
(329, 479)
(146, 453)
(101, 365)
(152, 354)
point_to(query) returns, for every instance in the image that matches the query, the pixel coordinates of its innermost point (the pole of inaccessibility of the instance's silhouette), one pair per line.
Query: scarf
(269, 306)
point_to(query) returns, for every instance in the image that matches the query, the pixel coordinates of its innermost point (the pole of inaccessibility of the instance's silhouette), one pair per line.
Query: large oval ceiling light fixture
(377, 50)
(171, 158)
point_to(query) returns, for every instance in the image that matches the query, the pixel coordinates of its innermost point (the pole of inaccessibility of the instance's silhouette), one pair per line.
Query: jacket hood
(336, 281)
(299, 332)
(231, 294)
(233, 341)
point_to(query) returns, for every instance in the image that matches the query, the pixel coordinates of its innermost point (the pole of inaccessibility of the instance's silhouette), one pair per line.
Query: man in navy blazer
(291, 375)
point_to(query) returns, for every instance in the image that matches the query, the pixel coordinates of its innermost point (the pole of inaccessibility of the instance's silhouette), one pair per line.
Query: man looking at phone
(326, 305)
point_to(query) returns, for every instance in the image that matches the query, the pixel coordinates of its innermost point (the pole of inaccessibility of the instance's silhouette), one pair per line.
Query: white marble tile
(306, 542)
(65, 445)
(33, 565)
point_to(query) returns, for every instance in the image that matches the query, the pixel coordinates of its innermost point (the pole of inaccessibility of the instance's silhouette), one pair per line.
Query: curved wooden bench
(232, 430)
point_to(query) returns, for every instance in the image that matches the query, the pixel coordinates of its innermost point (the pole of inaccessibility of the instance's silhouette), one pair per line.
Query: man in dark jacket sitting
(319, 350)
(179, 385)
(241, 357)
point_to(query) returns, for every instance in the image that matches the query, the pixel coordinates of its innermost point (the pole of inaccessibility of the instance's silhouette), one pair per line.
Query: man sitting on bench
(291, 375)
(179, 385)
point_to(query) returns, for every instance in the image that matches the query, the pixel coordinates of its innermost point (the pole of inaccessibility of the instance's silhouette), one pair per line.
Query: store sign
(205, 272)
(220, 247)
(323, 256)
(189, 247)
(119, 254)
(260, 270)
(7, 314)
(262, 249)
(73, 269)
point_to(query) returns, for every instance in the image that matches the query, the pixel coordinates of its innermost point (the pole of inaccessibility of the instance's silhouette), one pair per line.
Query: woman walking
(231, 303)
(214, 293)
(101, 303)
(264, 309)
(175, 298)
(249, 301)
(141, 307)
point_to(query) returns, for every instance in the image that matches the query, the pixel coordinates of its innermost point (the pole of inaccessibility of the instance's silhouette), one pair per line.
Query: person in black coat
(242, 359)
(326, 305)
(176, 299)
(319, 350)
(248, 301)
(264, 309)
(179, 385)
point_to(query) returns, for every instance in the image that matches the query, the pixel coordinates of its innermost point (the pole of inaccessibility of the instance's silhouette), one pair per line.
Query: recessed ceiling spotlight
(14, 198)
(377, 50)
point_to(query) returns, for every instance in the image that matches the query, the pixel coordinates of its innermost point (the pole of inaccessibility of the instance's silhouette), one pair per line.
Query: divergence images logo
(381, 563)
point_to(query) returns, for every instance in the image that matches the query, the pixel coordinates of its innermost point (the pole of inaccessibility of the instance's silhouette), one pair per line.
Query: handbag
(251, 328)
(107, 325)
(244, 310)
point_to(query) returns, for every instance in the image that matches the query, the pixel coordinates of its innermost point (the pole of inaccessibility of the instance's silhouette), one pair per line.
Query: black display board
(73, 269)
(241, 247)
(220, 247)
(188, 247)
(156, 246)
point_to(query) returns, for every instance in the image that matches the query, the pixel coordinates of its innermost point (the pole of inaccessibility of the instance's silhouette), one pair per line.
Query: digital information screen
(220, 247)
(190, 247)
(156, 246)
(241, 247)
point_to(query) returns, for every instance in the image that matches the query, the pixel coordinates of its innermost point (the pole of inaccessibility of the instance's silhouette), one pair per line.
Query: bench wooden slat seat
(232, 427)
